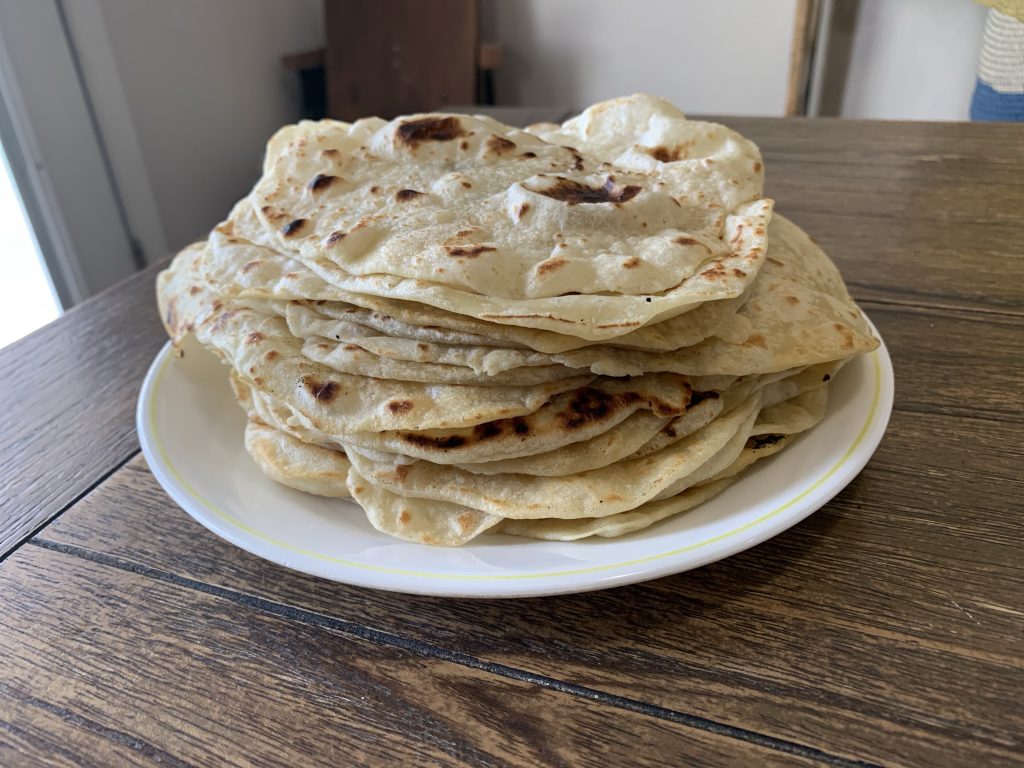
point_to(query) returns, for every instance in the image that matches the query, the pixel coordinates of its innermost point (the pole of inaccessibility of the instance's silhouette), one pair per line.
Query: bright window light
(27, 299)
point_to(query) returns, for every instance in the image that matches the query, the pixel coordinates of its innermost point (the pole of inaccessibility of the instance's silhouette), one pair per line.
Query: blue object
(990, 104)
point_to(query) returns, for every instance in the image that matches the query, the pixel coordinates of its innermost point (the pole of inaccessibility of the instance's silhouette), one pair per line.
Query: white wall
(727, 56)
(914, 59)
(204, 87)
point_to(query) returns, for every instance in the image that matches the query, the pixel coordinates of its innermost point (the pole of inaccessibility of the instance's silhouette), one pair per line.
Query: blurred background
(130, 127)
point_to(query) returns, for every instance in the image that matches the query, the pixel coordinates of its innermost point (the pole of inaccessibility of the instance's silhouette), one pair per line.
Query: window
(27, 299)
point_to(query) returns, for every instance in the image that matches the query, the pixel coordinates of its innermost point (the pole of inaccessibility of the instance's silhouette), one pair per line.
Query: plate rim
(808, 499)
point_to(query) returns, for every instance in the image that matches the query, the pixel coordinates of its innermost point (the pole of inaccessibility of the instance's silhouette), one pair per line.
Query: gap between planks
(30, 534)
(926, 305)
(425, 649)
(134, 743)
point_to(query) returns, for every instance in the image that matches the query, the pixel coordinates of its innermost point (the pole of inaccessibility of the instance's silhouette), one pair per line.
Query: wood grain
(920, 213)
(69, 393)
(886, 628)
(954, 362)
(149, 672)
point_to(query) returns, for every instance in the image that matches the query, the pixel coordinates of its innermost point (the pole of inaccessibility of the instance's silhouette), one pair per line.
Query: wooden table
(885, 629)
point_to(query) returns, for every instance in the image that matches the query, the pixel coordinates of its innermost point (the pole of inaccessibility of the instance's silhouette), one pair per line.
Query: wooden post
(391, 57)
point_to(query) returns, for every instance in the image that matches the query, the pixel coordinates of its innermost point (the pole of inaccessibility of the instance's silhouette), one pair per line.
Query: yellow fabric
(1013, 8)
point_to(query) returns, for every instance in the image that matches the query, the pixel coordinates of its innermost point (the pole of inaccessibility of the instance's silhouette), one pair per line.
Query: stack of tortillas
(556, 332)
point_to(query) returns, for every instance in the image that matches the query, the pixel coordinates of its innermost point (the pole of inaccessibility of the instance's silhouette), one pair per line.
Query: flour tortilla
(354, 358)
(797, 313)
(794, 415)
(247, 271)
(261, 409)
(598, 493)
(606, 448)
(435, 523)
(568, 331)
(723, 268)
(468, 215)
(573, 417)
(323, 471)
(385, 507)
(616, 525)
(298, 465)
(262, 351)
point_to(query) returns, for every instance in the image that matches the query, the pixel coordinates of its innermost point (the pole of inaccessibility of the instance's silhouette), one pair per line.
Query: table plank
(911, 212)
(845, 634)
(158, 674)
(955, 362)
(69, 393)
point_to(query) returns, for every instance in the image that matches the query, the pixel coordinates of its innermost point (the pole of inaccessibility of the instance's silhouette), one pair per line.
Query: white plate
(191, 434)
